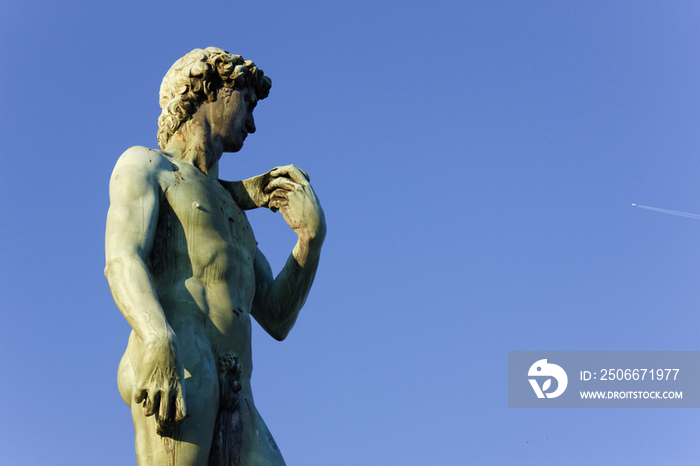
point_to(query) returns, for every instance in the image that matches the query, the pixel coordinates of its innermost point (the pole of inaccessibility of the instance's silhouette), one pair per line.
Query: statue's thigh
(259, 448)
(190, 442)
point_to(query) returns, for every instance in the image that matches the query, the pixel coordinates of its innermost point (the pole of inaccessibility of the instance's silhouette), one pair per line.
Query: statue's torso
(202, 261)
(202, 267)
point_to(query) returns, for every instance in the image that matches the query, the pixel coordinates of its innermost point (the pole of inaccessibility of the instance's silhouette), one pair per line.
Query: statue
(184, 268)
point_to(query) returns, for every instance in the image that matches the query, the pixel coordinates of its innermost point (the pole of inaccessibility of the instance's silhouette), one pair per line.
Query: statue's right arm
(134, 192)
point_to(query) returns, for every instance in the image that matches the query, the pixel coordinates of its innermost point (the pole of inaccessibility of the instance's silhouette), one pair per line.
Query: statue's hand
(159, 384)
(290, 192)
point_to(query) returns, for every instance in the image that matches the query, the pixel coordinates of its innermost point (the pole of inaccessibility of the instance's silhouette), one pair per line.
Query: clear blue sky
(476, 162)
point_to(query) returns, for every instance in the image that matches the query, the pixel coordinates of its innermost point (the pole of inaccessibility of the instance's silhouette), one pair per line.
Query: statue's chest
(213, 226)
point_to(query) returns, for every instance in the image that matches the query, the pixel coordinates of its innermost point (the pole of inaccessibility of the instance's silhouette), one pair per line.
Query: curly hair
(197, 77)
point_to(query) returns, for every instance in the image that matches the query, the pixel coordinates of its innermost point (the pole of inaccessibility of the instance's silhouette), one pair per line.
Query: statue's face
(231, 116)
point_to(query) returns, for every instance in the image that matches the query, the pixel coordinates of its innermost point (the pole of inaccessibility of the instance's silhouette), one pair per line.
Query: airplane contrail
(666, 211)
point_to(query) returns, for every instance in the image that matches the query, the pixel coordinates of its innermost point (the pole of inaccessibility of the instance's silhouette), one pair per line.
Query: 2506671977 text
(631, 374)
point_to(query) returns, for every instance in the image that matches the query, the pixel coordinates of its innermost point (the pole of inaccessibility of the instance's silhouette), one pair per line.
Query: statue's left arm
(278, 301)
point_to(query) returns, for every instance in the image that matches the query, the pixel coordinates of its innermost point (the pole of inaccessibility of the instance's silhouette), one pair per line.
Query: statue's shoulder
(139, 170)
(139, 162)
(148, 160)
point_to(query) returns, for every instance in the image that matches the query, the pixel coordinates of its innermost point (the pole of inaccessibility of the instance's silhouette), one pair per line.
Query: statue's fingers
(151, 404)
(140, 395)
(281, 168)
(294, 173)
(180, 408)
(279, 195)
(147, 406)
(277, 203)
(166, 414)
(281, 183)
(164, 410)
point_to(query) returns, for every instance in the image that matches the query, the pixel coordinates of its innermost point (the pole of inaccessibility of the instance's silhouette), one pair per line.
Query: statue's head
(196, 78)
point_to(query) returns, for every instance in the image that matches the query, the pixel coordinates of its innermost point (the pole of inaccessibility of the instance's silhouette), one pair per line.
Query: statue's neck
(192, 143)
